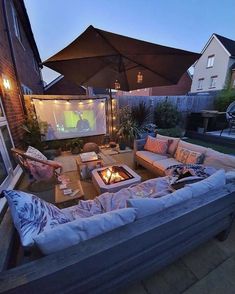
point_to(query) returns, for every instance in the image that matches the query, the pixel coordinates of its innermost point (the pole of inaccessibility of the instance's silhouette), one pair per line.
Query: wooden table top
(74, 184)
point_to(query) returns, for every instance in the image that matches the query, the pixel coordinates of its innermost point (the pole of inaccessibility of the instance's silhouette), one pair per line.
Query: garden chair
(39, 171)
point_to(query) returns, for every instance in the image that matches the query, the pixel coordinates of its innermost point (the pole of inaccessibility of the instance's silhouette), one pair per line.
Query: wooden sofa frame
(127, 254)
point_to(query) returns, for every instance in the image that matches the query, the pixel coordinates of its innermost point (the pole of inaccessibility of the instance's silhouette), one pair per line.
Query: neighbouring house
(19, 74)
(62, 86)
(181, 88)
(214, 70)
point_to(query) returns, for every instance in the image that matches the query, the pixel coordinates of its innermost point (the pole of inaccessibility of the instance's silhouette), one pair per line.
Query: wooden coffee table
(66, 200)
(85, 168)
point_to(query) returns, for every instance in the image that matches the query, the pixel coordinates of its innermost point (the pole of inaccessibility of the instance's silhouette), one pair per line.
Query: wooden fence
(184, 104)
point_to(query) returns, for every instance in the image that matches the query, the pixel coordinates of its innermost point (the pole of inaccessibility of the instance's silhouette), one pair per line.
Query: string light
(140, 78)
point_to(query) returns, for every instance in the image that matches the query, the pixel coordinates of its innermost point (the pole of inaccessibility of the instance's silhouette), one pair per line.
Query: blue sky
(185, 24)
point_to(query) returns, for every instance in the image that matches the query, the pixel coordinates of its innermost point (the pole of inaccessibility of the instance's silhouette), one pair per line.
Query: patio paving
(209, 269)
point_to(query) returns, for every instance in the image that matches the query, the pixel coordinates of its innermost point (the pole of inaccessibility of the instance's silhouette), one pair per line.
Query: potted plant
(76, 146)
(122, 143)
(128, 129)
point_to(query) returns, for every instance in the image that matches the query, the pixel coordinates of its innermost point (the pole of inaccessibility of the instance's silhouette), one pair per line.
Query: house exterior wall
(12, 99)
(219, 69)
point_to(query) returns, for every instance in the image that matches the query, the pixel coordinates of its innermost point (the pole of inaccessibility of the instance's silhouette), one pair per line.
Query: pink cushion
(156, 145)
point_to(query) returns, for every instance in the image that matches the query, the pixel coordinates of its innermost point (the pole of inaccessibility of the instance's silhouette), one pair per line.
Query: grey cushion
(74, 232)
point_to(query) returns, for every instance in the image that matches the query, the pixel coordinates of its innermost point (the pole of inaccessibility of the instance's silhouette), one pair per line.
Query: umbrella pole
(111, 111)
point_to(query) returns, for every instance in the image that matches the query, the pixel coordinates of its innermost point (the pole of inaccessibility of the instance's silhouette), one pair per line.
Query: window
(233, 84)
(26, 90)
(200, 84)
(35, 65)
(210, 60)
(213, 81)
(16, 24)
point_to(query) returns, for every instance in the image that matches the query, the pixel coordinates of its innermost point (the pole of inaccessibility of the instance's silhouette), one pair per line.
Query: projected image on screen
(72, 119)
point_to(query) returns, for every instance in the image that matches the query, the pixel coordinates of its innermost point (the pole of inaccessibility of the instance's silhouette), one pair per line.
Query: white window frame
(210, 61)
(200, 84)
(213, 81)
(16, 24)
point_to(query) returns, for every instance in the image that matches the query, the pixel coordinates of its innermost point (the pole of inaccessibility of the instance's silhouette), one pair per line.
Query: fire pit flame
(114, 174)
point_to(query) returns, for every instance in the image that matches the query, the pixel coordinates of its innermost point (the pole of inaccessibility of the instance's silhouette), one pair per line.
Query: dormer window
(210, 60)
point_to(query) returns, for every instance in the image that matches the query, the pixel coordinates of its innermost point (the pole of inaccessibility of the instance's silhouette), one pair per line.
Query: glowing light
(114, 117)
(80, 102)
(68, 102)
(6, 84)
(140, 78)
(55, 101)
(114, 128)
(40, 101)
(90, 101)
(117, 85)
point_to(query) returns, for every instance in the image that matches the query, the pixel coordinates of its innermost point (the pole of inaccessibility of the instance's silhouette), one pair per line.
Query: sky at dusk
(184, 24)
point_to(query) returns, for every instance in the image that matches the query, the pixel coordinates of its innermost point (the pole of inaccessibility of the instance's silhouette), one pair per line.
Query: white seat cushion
(165, 163)
(150, 156)
(81, 229)
(219, 160)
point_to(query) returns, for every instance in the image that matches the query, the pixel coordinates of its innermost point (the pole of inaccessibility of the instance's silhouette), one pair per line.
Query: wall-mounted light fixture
(6, 83)
(117, 85)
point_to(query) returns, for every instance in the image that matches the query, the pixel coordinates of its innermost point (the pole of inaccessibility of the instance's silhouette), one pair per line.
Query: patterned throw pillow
(182, 154)
(32, 215)
(195, 158)
(156, 145)
(33, 152)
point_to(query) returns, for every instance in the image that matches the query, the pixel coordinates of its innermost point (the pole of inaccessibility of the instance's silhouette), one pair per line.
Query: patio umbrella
(106, 60)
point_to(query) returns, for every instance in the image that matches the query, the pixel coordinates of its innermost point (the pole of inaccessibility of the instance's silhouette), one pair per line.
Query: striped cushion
(156, 145)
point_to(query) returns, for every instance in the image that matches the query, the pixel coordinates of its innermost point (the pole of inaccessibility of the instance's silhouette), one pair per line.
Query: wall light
(6, 84)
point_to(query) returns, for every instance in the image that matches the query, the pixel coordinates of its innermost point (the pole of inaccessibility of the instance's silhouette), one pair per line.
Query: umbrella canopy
(100, 59)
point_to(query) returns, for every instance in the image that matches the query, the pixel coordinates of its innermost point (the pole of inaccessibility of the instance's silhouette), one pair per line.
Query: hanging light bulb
(140, 77)
(117, 85)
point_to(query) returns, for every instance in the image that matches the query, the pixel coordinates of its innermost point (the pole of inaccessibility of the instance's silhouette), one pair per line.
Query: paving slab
(220, 281)
(205, 258)
(228, 245)
(174, 279)
(137, 288)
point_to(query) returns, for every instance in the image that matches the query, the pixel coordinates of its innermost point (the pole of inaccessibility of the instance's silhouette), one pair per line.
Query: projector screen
(70, 119)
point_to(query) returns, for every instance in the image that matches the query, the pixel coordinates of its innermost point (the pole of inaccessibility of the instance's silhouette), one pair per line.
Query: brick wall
(11, 99)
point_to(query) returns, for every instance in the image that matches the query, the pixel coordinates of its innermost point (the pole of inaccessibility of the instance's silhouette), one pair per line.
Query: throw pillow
(32, 215)
(194, 158)
(181, 154)
(83, 229)
(156, 145)
(33, 152)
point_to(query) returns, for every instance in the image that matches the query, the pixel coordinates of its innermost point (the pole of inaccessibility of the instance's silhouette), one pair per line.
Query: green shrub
(166, 115)
(172, 132)
(224, 98)
(140, 114)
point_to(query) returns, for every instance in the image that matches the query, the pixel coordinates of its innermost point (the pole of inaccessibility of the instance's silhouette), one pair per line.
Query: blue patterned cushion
(32, 215)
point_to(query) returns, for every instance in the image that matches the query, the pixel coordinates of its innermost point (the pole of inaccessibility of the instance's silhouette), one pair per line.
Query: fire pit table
(113, 178)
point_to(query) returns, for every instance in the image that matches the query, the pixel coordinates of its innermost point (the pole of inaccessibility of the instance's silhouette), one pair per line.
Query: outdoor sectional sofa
(158, 163)
(164, 229)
